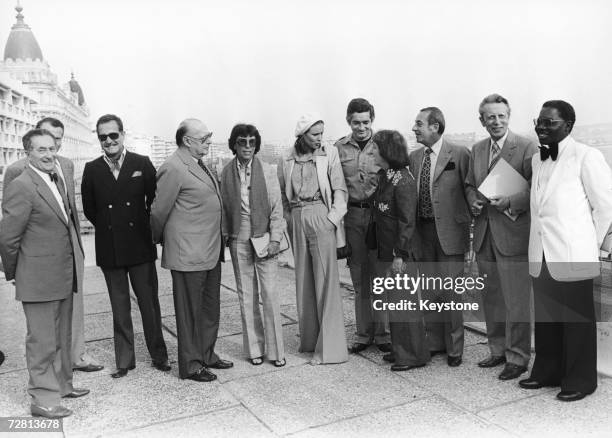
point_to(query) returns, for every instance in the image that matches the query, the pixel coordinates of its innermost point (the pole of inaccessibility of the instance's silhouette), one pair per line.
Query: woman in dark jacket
(394, 214)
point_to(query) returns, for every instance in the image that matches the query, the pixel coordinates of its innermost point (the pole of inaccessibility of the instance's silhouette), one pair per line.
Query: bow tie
(53, 177)
(551, 151)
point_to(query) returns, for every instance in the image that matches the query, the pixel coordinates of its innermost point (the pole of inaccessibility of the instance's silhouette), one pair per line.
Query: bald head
(195, 136)
(187, 127)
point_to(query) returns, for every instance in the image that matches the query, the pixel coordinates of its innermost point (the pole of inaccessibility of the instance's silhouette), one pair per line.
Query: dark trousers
(143, 279)
(48, 350)
(444, 329)
(197, 306)
(565, 333)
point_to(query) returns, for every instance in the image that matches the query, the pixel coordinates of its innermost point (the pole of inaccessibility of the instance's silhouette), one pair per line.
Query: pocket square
(450, 166)
(136, 173)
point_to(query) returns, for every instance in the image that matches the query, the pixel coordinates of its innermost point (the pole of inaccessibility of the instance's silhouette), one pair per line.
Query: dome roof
(76, 88)
(21, 43)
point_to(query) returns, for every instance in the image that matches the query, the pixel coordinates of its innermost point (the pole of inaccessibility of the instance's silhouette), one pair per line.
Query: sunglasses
(546, 123)
(112, 136)
(242, 141)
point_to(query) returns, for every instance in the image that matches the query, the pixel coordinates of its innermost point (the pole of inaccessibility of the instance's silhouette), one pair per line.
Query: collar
(501, 142)
(562, 146)
(121, 157)
(247, 166)
(437, 146)
(321, 152)
(350, 140)
(44, 175)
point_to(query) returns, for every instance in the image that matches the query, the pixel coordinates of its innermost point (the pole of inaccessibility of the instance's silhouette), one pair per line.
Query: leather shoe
(89, 368)
(569, 396)
(357, 347)
(121, 372)
(405, 367)
(492, 361)
(531, 384)
(511, 371)
(385, 348)
(52, 412)
(454, 361)
(76, 393)
(389, 357)
(221, 364)
(162, 366)
(202, 375)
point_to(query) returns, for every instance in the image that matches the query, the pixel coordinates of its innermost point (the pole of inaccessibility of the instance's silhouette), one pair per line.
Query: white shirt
(47, 179)
(500, 144)
(119, 162)
(245, 183)
(547, 167)
(433, 156)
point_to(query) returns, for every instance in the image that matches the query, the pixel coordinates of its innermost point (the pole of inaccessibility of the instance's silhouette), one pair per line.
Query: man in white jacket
(571, 211)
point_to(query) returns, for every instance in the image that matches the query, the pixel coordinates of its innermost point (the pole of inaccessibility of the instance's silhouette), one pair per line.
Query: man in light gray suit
(501, 239)
(65, 168)
(443, 221)
(39, 245)
(186, 219)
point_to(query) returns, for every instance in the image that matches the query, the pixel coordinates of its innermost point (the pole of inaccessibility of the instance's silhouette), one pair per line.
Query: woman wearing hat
(314, 196)
(253, 208)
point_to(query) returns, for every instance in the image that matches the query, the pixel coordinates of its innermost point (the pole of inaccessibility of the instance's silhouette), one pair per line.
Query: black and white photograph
(334, 218)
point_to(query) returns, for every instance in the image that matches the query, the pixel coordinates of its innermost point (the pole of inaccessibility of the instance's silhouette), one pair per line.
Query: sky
(266, 62)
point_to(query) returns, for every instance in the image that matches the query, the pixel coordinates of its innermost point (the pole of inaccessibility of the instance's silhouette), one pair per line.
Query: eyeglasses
(242, 141)
(112, 136)
(546, 123)
(201, 140)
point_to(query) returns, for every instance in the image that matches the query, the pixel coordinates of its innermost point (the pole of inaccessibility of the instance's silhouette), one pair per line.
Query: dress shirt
(500, 144)
(547, 167)
(56, 194)
(245, 184)
(359, 168)
(111, 165)
(304, 177)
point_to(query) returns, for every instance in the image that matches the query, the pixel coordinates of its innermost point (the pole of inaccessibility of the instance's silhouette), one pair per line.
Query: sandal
(257, 360)
(280, 363)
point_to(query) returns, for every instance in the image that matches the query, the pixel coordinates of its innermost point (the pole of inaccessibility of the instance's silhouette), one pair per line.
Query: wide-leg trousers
(254, 275)
(48, 353)
(506, 302)
(319, 302)
(371, 326)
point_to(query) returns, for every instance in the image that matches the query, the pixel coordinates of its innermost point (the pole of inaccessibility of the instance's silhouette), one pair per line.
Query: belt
(426, 219)
(299, 204)
(359, 204)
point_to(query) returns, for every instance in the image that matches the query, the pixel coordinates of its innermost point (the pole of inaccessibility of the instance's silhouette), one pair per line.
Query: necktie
(495, 155)
(205, 169)
(61, 188)
(425, 206)
(551, 151)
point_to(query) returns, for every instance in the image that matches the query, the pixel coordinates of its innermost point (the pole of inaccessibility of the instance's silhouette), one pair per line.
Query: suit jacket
(326, 163)
(395, 204)
(120, 209)
(571, 214)
(35, 241)
(186, 216)
(511, 237)
(449, 198)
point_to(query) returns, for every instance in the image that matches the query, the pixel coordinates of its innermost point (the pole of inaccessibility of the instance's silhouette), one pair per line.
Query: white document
(503, 180)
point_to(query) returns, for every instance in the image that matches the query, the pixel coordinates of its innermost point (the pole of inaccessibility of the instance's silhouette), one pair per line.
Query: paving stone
(542, 415)
(427, 417)
(96, 303)
(232, 422)
(307, 396)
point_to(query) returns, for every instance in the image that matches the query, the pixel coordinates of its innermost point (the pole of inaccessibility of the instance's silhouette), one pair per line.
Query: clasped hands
(501, 203)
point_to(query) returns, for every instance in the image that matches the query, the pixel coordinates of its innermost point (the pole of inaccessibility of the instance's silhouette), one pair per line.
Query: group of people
(365, 199)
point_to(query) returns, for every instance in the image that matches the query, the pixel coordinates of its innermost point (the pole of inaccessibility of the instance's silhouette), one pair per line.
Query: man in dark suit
(38, 244)
(443, 221)
(186, 219)
(501, 238)
(65, 168)
(118, 189)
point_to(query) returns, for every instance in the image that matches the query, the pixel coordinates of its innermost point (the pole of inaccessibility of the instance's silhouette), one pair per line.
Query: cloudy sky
(157, 62)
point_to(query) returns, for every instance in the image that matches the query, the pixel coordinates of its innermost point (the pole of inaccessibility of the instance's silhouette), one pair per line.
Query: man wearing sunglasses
(571, 211)
(118, 189)
(65, 170)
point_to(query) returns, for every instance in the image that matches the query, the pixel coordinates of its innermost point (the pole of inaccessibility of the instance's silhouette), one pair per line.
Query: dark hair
(109, 118)
(566, 111)
(180, 133)
(392, 147)
(300, 146)
(359, 105)
(51, 121)
(27, 138)
(244, 130)
(493, 98)
(435, 116)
